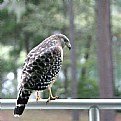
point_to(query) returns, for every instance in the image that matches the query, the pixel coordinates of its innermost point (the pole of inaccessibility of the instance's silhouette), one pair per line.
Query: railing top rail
(65, 104)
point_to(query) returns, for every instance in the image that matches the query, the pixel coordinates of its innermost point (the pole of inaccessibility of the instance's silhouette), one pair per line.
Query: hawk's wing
(41, 68)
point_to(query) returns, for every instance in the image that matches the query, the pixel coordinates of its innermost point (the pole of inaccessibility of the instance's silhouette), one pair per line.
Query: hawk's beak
(69, 46)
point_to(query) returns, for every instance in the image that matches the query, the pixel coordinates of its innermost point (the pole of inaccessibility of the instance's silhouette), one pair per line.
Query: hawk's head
(64, 40)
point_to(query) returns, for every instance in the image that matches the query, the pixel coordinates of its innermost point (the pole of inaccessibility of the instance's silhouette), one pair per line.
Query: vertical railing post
(94, 114)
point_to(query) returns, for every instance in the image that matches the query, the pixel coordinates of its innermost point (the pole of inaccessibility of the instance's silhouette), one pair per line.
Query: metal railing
(93, 105)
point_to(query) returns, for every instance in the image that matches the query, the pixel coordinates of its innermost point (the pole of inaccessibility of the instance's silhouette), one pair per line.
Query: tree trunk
(104, 52)
(86, 57)
(75, 113)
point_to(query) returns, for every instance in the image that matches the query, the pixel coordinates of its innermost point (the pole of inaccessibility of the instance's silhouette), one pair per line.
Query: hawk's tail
(21, 102)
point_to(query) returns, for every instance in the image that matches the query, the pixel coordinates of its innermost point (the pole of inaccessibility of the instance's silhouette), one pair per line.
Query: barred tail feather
(21, 102)
(20, 106)
(19, 110)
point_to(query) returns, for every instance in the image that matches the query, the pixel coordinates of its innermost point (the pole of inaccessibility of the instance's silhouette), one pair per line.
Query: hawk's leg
(50, 95)
(37, 96)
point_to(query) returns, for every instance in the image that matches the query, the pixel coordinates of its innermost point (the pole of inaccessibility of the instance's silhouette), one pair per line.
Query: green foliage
(88, 88)
(24, 24)
(38, 19)
(44, 19)
(1, 1)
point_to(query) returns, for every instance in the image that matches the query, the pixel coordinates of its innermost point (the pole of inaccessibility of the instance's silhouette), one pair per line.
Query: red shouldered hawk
(40, 69)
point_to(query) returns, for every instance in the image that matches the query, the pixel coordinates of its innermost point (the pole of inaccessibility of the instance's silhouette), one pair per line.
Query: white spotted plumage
(41, 67)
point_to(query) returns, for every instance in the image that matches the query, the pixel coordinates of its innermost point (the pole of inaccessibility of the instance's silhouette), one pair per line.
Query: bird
(40, 70)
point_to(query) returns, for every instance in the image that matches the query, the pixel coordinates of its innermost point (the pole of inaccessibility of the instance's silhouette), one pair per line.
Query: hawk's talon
(52, 98)
(37, 96)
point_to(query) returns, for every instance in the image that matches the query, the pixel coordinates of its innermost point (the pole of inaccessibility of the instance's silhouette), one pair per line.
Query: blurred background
(92, 68)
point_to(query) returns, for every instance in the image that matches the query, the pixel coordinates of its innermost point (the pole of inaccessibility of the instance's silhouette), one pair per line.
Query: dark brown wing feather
(40, 69)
